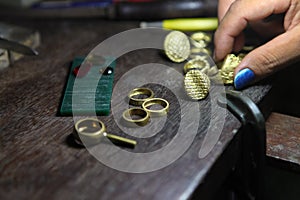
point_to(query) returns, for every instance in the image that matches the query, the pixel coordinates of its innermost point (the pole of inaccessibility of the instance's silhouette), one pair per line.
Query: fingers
(239, 43)
(268, 58)
(237, 18)
(223, 7)
(262, 28)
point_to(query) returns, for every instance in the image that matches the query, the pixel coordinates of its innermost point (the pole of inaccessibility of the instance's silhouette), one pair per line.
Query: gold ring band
(156, 113)
(127, 116)
(139, 91)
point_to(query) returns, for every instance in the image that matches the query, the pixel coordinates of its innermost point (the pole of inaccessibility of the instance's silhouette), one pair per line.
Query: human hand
(277, 53)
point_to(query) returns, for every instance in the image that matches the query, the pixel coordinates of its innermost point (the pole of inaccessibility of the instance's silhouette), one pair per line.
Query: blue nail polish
(243, 78)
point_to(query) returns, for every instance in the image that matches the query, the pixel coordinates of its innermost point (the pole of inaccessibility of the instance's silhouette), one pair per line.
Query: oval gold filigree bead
(196, 84)
(177, 46)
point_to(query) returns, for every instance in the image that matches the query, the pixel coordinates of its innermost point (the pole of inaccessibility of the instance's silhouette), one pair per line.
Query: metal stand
(249, 172)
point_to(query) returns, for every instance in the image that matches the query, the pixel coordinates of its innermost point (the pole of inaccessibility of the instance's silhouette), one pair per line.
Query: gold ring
(139, 91)
(127, 116)
(156, 101)
(89, 130)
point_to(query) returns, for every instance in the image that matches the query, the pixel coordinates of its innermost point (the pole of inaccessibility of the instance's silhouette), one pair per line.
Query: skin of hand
(277, 53)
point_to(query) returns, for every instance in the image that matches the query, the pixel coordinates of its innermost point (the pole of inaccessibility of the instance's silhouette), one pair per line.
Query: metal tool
(250, 171)
(17, 47)
(90, 131)
(184, 24)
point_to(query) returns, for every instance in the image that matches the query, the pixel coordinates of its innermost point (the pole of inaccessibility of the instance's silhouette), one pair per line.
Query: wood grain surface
(283, 138)
(38, 159)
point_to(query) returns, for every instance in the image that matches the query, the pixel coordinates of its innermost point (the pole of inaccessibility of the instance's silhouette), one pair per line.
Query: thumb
(268, 58)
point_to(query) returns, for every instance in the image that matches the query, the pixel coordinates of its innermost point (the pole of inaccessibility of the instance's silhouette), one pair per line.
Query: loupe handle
(119, 139)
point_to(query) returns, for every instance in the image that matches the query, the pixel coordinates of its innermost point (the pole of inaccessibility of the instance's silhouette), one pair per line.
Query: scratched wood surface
(38, 159)
(283, 138)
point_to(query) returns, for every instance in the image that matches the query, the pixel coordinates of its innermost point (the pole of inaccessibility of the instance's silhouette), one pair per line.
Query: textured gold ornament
(196, 84)
(198, 36)
(227, 70)
(200, 51)
(199, 44)
(177, 46)
(199, 62)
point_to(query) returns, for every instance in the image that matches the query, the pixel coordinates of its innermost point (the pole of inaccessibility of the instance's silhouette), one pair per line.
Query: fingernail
(243, 78)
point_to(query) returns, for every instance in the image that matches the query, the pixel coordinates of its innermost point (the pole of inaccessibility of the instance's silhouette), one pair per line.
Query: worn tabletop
(37, 158)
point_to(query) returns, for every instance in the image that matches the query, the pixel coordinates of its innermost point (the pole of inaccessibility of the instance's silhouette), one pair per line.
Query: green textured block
(90, 94)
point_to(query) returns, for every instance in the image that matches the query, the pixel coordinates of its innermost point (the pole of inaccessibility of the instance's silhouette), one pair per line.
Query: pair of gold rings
(144, 97)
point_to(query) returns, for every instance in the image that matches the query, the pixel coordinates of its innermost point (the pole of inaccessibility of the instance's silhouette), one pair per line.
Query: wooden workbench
(37, 160)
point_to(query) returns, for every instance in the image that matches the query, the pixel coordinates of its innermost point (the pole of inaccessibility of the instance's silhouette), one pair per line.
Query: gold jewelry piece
(199, 62)
(91, 130)
(196, 51)
(199, 44)
(156, 101)
(129, 113)
(242, 55)
(200, 50)
(201, 36)
(248, 48)
(139, 91)
(227, 70)
(196, 84)
(177, 46)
